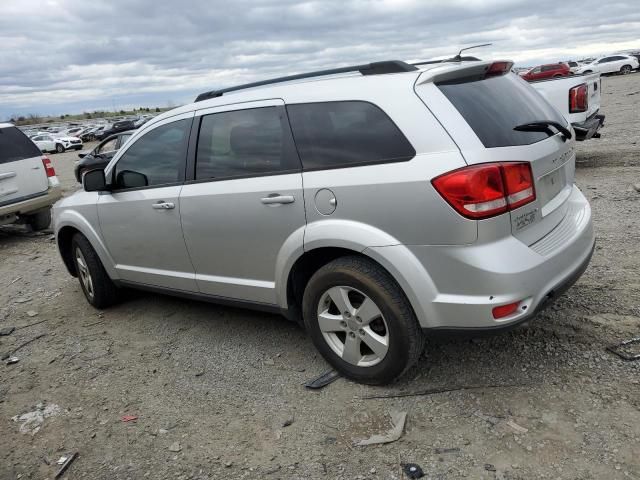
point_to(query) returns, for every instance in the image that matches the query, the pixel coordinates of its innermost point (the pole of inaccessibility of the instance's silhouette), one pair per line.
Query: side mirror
(82, 154)
(94, 181)
(131, 179)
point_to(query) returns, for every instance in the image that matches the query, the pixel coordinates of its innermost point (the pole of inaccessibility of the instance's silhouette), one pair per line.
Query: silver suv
(369, 203)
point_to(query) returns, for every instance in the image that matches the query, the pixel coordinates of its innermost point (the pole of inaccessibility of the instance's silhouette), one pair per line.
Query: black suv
(117, 127)
(101, 154)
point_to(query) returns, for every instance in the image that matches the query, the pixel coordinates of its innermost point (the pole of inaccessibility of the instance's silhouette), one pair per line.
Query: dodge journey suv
(371, 203)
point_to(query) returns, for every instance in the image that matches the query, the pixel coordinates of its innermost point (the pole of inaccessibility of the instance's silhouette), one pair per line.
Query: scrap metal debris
(12, 360)
(398, 420)
(129, 418)
(432, 391)
(412, 470)
(65, 464)
(625, 349)
(6, 331)
(323, 380)
(516, 427)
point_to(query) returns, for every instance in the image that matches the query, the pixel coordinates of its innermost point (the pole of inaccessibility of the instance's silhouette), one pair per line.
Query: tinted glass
(159, 155)
(493, 107)
(244, 142)
(109, 146)
(15, 145)
(342, 134)
(548, 68)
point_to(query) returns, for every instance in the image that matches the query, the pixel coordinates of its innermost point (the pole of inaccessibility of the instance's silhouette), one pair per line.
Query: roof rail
(375, 68)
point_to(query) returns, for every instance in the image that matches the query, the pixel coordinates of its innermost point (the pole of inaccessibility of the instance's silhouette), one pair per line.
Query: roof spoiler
(466, 71)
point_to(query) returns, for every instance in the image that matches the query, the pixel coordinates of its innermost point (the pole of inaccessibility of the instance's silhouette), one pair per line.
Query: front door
(245, 200)
(140, 217)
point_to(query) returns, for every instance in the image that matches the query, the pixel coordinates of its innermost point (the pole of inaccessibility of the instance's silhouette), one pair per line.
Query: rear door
(482, 121)
(244, 203)
(22, 174)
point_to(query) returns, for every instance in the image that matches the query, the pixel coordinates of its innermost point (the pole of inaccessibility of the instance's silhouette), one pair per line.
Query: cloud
(63, 54)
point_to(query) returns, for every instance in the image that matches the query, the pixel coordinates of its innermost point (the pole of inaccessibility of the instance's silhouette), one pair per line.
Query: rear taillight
(578, 99)
(48, 167)
(486, 190)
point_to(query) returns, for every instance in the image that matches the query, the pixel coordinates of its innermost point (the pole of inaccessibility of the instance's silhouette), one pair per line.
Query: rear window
(493, 107)
(345, 134)
(15, 145)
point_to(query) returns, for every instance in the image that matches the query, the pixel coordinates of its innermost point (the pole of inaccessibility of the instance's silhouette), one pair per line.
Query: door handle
(276, 199)
(162, 205)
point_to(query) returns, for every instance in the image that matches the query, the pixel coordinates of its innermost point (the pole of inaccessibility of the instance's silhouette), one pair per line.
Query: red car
(544, 72)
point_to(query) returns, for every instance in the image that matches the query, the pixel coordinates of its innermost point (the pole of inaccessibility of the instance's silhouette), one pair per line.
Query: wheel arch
(67, 225)
(320, 244)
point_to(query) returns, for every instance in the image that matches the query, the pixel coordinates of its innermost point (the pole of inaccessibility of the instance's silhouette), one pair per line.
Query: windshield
(493, 107)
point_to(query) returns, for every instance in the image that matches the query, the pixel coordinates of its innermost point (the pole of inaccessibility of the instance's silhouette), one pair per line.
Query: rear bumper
(33, 204)
(589, 128)
(457, 287)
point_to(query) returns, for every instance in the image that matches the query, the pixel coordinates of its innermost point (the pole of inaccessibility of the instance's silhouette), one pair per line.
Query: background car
(117, 127)
(544, 72)
(100, 156)
(28, 182)
(623, 64)
(46, 143)
(573, 66)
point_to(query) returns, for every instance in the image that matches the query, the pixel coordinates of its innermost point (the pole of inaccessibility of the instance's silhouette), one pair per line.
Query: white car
(623, 64)
(51, 143)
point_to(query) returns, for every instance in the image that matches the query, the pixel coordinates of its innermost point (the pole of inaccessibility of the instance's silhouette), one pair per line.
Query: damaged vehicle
(371, 219)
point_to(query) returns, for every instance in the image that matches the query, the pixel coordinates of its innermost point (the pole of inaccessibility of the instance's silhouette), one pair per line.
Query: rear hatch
(22, 173)
(480, 113)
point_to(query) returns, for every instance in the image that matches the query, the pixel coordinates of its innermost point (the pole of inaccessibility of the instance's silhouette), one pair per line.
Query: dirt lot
(213, 387)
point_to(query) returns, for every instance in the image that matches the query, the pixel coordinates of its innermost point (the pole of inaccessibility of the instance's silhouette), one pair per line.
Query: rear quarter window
(493, 107)
(15, 145)
(345, 134)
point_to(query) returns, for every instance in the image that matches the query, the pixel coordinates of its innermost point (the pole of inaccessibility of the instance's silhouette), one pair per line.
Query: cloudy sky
(69, 56)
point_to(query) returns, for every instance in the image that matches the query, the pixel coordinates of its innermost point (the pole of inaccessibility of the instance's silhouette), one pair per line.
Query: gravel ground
(213, 387)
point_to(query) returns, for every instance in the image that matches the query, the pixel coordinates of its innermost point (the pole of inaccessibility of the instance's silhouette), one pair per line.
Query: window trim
(354, 164)
(290, 145)
(112, 172)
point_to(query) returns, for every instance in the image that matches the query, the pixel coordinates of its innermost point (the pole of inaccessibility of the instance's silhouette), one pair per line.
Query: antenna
(458, 57)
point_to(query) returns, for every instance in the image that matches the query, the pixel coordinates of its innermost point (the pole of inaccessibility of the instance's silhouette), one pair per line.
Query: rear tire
(40, 221)
(625, 70)
(98, 288)
(375, 344)
(59, 148)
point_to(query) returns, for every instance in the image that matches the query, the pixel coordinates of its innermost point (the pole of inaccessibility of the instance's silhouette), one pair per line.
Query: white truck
(577, 97)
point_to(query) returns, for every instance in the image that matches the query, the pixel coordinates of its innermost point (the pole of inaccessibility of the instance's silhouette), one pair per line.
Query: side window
(110, 146)
(548, 68)
(536, 70)
(156, 158)
(255, 141)
(15, 145)
(343, 134)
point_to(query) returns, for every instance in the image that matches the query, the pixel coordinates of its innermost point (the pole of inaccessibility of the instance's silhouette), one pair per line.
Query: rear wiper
(543, 126)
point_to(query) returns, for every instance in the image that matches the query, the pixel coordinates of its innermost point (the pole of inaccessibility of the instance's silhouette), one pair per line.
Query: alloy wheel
(353, 326)
(83, 272)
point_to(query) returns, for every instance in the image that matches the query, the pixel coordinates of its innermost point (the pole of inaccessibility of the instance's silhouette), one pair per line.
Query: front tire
(98, 288)
(361, 322)
(39, 221)
(59, 148)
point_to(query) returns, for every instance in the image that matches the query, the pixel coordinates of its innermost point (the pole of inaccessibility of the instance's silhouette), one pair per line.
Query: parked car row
(620, 64)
